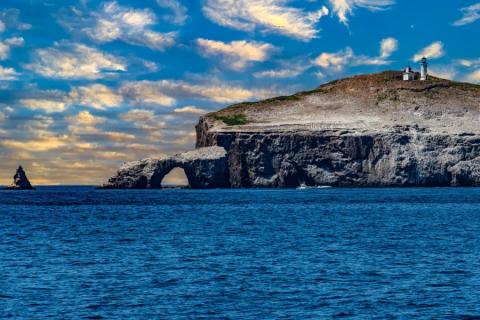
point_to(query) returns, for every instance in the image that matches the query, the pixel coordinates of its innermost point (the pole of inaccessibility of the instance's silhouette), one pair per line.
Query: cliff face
(370, 130)
(364, 131)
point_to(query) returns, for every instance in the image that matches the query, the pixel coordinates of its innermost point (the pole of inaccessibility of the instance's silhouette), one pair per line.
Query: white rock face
(370, 130)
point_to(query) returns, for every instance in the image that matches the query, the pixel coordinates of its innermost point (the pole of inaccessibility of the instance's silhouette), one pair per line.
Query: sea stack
(20, 181)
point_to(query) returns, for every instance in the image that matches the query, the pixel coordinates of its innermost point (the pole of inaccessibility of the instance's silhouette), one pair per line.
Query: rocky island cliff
(369, 130)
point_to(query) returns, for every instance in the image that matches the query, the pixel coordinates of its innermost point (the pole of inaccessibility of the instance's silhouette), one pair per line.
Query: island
(20, 181)
(374, 130)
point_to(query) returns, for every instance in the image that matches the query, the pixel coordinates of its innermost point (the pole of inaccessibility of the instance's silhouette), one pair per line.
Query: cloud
(468, 62)
(337, 61)
(273, 16)
(470, 15)
(119, 136)
(388, 46)
(116, 22)
(96, 96)
(2, 26)
(84, 123)
(344, 8)
(75, 61)
(86, 118)
(334, 61)
(433, 51)
(44, 104)
(6, 46)
(146, 92)
(474, 76)
(138, 115)
(236, 54)
(179, 11)
(444, 72)
(7, 74)
(9, 19)
(166, 92)
(40, 144)
(279, 73)
(190, 109)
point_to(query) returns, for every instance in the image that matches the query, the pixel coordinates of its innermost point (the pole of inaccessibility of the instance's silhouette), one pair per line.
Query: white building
(424, 70)
(408, 74)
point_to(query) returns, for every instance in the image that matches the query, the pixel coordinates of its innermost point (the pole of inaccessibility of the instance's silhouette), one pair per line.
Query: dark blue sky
(86, 85)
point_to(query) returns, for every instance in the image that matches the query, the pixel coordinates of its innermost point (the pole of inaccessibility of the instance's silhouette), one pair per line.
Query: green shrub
(232, 120)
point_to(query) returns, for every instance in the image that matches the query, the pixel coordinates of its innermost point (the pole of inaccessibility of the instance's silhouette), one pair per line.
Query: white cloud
(96, 96)
(273, 16)
(279, 73)
(388, 46)
(444, 72)
(166, 92)
(433, 51)
(334, 61)
(146, 92)
(44, 104)
(138, 115)
(337, 61)
(7, 74)
(179, 11)
(469, 62)
(86, 118)
(75, 61)
(84, 123)
(190, 109)
(344, 8)
(474, 76)
(236, 54)
(6, 46)
(470, 15)
(2, 26)
(116, 22)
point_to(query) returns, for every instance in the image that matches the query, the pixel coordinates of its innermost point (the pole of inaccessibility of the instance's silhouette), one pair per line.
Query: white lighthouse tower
(424, 69)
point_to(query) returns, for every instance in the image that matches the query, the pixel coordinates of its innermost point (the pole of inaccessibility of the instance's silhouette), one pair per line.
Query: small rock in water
(20, 181)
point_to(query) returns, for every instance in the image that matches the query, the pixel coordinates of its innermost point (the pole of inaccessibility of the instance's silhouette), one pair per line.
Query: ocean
(81, 253)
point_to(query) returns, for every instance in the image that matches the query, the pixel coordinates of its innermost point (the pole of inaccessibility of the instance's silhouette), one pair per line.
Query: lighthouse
(423, 69)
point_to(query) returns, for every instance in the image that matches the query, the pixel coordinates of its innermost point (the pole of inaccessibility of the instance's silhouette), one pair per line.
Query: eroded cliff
(369, 130)
(372, 130)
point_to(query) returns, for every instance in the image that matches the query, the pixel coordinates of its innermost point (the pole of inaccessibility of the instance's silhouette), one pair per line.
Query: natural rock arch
(204, 168)
(175, 178)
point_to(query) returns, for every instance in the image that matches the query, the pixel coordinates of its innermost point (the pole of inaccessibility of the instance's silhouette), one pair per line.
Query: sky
(86, 85)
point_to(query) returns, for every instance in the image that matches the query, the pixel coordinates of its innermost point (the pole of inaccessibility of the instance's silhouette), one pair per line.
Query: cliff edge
(368, 130)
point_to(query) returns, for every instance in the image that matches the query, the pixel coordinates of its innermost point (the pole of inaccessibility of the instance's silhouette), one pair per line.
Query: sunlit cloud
(7, 45)
(75, 61)
(344, 8)
(179, 11)
(190, 109)
(273, 16)
(338, 61)
(116, 22)
(470, 14)
(96, 96)
(433, 51)
(44, 104)
(473, 76)
(8, 74)
(166, 92)
(236, 54)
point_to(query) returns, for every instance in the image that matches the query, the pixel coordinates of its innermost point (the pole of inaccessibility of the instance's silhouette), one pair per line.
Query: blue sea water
(81, 253)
